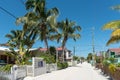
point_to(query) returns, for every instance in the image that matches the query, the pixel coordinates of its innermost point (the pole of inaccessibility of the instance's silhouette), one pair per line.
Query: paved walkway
(81, 72)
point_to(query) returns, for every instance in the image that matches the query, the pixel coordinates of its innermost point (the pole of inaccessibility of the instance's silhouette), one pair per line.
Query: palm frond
(29, 4)
(113, 39)
(112, 25)
(116, 32)
(117, 7)
(77, 28)
(52, 21)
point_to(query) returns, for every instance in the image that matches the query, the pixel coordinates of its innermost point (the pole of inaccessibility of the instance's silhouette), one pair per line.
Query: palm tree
(89, 57)
(67, 30)
(42, 19)
(115, 27)
(21, 42)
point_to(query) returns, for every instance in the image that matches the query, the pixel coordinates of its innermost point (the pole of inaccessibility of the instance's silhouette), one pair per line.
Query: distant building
(114, 53)
(4, 57)
(59, 52)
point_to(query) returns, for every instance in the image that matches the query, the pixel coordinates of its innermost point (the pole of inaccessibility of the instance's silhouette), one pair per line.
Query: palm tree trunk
(63, 54)
(63, 47)
(46, 43)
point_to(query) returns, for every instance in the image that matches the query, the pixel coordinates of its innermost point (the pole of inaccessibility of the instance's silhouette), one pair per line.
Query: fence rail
(5, 75)
(38, 67)
(51, 67)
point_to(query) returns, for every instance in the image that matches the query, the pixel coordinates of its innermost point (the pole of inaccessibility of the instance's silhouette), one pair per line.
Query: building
(59, 54)
(114, 53)
(3, 56)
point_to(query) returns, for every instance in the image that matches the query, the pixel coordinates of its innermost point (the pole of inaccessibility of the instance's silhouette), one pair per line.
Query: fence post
(14, 72)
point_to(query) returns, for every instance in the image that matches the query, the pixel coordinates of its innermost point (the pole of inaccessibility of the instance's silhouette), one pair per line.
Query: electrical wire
(22, 2)
(8, 12)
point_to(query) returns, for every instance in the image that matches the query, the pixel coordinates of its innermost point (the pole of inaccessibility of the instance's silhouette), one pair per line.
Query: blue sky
(86, 13)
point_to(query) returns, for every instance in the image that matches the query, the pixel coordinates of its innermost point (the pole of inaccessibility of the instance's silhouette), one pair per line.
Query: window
(40, 64)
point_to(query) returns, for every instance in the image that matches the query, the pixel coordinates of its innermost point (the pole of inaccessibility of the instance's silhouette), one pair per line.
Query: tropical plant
(62, 65)
(76, 58)
(112, 68)
(49, 58)
(6, 68)
(89, 57)
(98, 60)
(67, 30)
(39, 18)
(115, 27)
(108, 61)
(118, 64)
(19, 44)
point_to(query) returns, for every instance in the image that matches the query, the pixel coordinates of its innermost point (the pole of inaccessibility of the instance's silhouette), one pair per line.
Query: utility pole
(93, 46)
(74, 50)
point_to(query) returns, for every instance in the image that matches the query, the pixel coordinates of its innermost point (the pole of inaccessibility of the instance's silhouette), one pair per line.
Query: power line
(8, 12)
(22, 2)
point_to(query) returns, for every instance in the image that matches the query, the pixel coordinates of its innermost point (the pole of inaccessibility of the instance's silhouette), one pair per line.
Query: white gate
(19, 72)
(38, 67)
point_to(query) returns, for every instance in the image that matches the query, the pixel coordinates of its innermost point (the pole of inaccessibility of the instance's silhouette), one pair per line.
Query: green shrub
(47, 57)
(112, 68)
(76, 58)
(106, 62)
(59, 65)
(65, 65)
(118, 65)
(62, 65)
(98, 60)
(112, 60)
(6, 68)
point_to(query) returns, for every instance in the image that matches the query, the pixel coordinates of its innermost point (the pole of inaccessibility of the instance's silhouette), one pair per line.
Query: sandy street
(81, 72)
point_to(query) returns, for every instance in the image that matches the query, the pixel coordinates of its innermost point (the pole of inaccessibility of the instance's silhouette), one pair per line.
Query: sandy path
(81, 72)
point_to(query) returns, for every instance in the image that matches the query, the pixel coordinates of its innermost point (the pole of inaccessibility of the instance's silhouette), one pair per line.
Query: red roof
(60, 48)
(45, 49)
(116, 50)
(42, 49)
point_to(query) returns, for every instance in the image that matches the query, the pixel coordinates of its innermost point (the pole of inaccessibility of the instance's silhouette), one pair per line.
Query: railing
(5, 75)
(29, 70)
(51, 67)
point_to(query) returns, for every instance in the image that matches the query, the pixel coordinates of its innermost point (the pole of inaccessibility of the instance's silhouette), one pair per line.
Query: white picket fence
(51, 67)
(5, 75)
(37, 68)
(19, 72)
(16, 73)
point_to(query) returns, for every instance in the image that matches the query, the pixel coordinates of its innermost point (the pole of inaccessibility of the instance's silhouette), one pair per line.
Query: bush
(6, 68)
(112, 60)
(106, 62)
(118, 65)
(62, 65)
(112, 68)
(65, 65)
(47, 57)
(98, 60)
